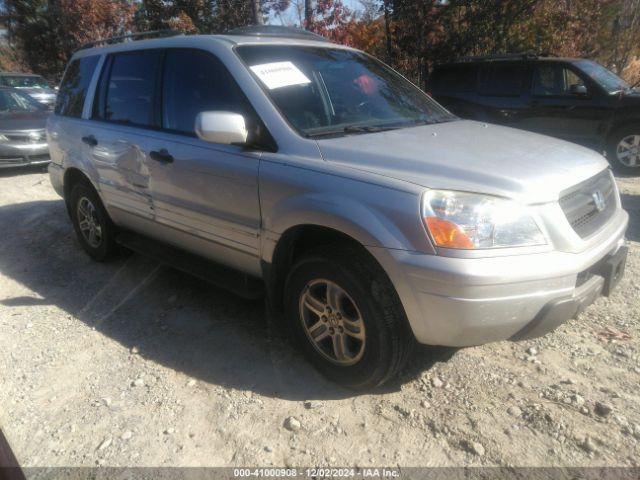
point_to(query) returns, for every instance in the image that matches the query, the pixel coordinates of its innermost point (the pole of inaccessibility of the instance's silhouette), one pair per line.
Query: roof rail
(131, 37)
(507, 56)
(276, 31)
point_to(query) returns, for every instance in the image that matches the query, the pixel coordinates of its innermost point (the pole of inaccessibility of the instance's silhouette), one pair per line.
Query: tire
(97, 233)
(625, 140)
(365, 305)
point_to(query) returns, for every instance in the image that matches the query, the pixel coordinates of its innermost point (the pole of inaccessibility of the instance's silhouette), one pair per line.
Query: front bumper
(471, 301)
(20, 155)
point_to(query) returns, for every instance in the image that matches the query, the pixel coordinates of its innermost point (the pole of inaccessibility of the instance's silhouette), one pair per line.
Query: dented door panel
(121, 162)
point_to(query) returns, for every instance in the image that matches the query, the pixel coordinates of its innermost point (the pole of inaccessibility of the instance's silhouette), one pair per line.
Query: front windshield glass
(24, 81)
(17, 102)
(327, 91)
(605, 78)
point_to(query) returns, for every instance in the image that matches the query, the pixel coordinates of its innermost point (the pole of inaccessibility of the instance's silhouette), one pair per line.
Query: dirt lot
(130, 364)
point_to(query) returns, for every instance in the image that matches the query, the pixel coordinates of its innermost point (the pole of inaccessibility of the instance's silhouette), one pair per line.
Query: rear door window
(455, 79)
(504, 80)
(128, 89)
(74, 86)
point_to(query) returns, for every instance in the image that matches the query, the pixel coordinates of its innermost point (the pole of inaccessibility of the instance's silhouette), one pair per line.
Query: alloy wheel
(628, 151)
(332, 322)
(88, 222)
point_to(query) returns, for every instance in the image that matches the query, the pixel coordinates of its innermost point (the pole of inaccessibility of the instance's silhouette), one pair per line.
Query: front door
(565, 104)
(204, 194)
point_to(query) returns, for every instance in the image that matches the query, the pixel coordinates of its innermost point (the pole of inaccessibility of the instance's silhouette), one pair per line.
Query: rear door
(559, 109)
(455, 87)
(502, 91)
(124, 112)
(207, 192)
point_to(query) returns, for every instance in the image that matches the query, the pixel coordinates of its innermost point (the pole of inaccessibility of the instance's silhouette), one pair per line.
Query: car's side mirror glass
(579, 90)
(221, 127)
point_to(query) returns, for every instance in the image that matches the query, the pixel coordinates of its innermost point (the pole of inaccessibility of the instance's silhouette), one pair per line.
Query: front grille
(26, 138)
(11, 160)
(580, 204)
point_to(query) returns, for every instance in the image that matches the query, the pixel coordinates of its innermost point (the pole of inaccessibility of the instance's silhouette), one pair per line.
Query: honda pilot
(277, 164)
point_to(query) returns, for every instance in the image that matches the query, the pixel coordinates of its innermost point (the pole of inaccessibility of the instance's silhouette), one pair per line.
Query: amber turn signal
(447, 234)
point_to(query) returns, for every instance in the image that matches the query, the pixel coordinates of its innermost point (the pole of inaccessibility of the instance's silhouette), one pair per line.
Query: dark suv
(574, 99)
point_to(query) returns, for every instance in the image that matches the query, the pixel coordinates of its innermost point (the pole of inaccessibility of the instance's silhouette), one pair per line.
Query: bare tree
(625, 34)
(307, 13)
(257, 13)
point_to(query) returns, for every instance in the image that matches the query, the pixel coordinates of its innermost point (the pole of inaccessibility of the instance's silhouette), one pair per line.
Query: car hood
(630, 98)
(469, 156)
(11, 122)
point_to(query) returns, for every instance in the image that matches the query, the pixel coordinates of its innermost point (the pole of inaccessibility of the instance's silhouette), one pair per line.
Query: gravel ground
(129, 364)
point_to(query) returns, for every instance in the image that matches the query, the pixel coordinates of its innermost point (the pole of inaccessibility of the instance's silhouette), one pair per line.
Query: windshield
(24, 81)
(12, 102)
(605, 78)
(325, 91)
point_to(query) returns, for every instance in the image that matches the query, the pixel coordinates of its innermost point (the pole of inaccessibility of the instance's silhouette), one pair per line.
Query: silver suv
(370, 216)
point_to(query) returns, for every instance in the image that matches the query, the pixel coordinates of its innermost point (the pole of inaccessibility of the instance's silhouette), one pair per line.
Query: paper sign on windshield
(280, 74)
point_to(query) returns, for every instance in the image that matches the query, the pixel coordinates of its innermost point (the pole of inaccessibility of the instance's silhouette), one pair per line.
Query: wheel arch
(618, 125)
(306, 221)
(292, 245)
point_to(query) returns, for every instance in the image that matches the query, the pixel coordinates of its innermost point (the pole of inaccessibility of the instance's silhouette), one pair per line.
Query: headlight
(475, 221)
(3, 138)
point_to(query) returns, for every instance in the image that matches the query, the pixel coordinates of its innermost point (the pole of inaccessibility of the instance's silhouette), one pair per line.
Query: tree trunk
(257, 14)
(387, 31)
(307, 13)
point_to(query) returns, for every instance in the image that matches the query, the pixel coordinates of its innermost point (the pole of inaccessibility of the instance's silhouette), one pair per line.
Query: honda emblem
(598, 200)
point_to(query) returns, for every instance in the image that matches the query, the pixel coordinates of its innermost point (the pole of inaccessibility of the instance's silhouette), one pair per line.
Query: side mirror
(221, 127)
(579, 90)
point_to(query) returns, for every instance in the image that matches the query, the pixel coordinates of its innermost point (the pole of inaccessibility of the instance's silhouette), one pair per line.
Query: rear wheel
(94, 228)
(623, 149)
(347, 318)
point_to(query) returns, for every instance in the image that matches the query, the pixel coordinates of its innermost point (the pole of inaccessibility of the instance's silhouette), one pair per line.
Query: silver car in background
(22, 136)
(33, 85)
(370, 216)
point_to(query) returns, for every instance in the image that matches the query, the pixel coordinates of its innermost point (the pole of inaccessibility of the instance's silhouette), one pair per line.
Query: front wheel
(347, 318)
(623, 149)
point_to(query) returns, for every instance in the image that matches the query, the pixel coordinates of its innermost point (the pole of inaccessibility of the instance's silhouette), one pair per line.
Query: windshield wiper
(365, 128)
(379, 128)
(353, 129)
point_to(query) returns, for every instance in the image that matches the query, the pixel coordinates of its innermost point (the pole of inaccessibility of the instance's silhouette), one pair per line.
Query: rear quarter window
(74, 86)
(455, 79)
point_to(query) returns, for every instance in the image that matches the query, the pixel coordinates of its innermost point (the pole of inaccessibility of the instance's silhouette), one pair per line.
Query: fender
(368, 226)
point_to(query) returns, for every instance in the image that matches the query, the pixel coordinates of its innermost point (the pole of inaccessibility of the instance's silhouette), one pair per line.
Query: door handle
(161, 155)
(90, 140)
